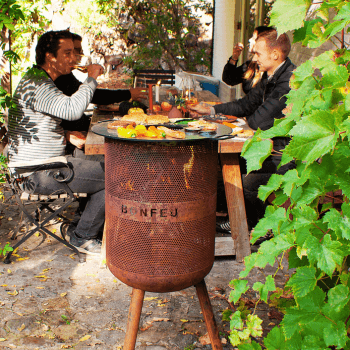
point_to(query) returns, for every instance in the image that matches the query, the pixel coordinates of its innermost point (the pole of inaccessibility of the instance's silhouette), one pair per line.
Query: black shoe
(86, 246)
(223, 227)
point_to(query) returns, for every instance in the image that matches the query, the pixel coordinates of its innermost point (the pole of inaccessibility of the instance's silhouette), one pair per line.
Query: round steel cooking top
(221, 132)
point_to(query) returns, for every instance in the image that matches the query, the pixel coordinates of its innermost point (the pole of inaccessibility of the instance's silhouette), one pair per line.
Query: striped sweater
(34, 124)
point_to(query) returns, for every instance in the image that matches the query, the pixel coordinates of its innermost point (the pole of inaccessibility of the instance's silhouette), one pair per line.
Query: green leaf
(264, 289)
(250, 346)
(254, 325)
(335, 335)
(313, 137)
(288, 14)
(240, 287)
(306, 313)
(303, 281)
(327, 254)
(294, 261)
(338, 297)
(272, 185)
(275, 340)
(272, 221)
(337, 222)
(236, 321)
(256, 152)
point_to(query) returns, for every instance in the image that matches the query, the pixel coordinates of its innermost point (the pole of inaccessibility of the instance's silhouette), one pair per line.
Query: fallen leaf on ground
(20, 329)
(21, 259)
(2, 339)
(148, 325)
(9, 271)
(4, 285)
(40, 287)
(63, 294)
(72, 256)
(85, 337)
(150, 298)
(13, 293)
(9, 219)
(48, 269)
(37, 234)
(204, 340)
(184, 321)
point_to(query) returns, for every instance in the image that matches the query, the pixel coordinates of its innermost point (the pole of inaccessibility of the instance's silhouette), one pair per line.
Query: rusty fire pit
(160, 219)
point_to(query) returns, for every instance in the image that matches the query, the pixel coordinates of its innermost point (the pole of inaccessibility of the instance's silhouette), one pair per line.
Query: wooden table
(229, 151)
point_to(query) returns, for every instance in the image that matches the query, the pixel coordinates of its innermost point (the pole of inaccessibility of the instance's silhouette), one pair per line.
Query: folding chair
(144, 77)
(46, 204)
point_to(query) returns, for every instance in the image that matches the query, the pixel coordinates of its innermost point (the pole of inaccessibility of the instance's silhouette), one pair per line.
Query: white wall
(224, 31)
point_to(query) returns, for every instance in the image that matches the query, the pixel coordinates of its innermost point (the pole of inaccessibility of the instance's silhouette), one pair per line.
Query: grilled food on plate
(172, 133)
(137, 118)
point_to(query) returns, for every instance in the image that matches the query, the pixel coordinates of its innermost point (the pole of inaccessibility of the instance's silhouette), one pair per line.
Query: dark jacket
(264, 103)
(233, 75)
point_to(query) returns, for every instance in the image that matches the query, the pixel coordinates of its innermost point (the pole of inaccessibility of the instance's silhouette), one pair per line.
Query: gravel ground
(48, 300)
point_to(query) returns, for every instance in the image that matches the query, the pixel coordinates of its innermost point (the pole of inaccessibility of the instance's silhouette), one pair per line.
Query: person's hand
(200, 109)
(94, 70)
(138, 94)
(237, 50)
(76, 138)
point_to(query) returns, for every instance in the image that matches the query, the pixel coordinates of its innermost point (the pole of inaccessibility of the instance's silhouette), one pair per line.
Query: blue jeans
(89, 177)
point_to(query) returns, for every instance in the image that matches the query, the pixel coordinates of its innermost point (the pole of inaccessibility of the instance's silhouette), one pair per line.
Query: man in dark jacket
(261, 106)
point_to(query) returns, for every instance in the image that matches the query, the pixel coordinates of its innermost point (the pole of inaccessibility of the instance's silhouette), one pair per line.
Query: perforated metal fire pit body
(160, 212)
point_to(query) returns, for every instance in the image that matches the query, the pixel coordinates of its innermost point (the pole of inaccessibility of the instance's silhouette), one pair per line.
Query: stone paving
(48, 300)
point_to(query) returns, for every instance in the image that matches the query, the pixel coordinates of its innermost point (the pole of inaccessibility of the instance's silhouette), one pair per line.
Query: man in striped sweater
(35, 132)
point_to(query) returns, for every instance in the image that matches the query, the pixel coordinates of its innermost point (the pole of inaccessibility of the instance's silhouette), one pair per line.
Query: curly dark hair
(49, 42)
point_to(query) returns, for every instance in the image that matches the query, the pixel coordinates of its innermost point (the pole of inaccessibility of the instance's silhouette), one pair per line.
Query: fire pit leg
(133, 318)
(207, 310)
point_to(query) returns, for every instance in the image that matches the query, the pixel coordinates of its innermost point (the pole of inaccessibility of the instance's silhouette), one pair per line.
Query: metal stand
(136, 308)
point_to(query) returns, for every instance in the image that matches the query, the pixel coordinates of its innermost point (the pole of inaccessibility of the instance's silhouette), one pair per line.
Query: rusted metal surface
(133, 319)
(160, 212)
(208, 315)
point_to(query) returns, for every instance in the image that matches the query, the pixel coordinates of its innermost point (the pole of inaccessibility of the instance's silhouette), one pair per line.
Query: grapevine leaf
(286, 158)
(337, 222)
(303, 281)
(304, 71)
(275, 340)
(272, 185)
(338, 297)
(289, 14)
(264, 289)
(272, 221)
(335, 76)
(240, 287)
(250, 346)
(305, 34)
(294, 261)
(254, 325)
(236, 321)
(303, 215)
(281, 128)
(326, 254)
(234, 338)
(313, 137)
(313, 342)
(335, 335)
(308, 310)
(256, 155)
(284, 241)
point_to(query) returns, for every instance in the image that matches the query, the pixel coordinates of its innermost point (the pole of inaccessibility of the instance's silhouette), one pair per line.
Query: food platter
(221, 132)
